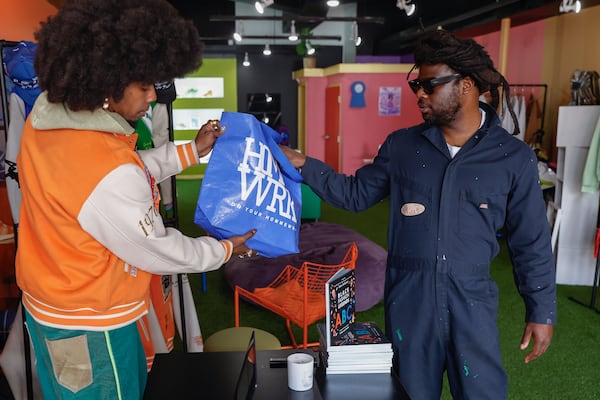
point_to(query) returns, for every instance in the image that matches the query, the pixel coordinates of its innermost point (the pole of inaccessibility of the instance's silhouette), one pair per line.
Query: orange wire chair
(297, 294)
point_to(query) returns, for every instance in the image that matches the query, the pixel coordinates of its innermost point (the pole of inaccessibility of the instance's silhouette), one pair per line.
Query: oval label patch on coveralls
(412, 209)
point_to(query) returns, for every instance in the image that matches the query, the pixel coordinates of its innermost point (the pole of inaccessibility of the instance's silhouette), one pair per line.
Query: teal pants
(76, 364)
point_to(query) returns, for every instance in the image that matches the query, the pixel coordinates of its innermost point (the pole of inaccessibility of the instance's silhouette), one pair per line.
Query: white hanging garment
(12, 361)
(506, 119)
(192, 325)
(13, 145)
(521, 116)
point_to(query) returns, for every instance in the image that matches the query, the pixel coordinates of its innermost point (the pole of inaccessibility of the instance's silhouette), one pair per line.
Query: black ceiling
(397, 34)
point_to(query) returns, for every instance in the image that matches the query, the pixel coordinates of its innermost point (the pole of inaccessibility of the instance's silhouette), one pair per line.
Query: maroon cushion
(322, 243)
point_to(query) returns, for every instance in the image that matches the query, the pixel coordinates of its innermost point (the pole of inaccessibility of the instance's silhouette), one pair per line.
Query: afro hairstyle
(93, 49)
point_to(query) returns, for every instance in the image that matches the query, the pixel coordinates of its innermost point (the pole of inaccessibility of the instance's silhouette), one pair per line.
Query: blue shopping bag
(250, 184)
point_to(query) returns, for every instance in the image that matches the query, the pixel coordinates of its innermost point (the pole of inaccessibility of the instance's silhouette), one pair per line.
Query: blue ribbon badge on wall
(358, 94)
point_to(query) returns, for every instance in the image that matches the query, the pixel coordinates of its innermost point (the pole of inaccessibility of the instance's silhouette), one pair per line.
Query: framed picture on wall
(389, 100)
(200, 88)
(194, 118)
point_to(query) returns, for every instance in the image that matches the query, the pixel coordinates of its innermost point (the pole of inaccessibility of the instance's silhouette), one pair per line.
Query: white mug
(300, 371)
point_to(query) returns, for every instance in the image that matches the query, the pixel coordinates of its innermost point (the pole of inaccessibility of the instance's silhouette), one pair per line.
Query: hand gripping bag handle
(284, 164)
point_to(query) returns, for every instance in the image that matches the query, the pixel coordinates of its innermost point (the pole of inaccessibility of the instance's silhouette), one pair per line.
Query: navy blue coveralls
(440, 301)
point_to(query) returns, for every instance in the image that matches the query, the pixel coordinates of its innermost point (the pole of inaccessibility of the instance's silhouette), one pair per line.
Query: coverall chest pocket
(414, 205)
(481, 211)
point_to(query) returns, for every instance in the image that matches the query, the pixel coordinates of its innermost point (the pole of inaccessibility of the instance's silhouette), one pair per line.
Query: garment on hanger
(591, 170)
(153, 131)
(534, 118)
(18, 62)
(506, 119)
(12, 361)
(520, 112)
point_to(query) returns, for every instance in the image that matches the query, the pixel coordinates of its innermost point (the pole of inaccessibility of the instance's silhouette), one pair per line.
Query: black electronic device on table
(246, 384)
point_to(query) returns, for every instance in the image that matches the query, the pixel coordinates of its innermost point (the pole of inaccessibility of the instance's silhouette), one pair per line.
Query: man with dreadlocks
(453, 182)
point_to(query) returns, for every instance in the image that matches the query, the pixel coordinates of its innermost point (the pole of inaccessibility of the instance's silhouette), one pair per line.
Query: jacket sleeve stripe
(187, 155)
(228, 246)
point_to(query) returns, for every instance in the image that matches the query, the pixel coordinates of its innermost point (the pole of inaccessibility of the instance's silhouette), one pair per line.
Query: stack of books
(348, 346)
(363, 349)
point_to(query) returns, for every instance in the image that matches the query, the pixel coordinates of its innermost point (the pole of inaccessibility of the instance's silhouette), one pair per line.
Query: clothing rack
(3, 87)
(533, 85)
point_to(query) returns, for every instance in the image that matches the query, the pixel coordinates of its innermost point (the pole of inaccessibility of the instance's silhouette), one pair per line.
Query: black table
(210, 375)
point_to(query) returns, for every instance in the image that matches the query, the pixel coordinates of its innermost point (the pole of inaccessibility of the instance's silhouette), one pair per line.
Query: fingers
(525, 339)
(239, 240)
(540, 345)
(248, 254)
(539, 348)
(207, 135)
(213, 126)
(541, 335)
(240, 249)
(296, 158)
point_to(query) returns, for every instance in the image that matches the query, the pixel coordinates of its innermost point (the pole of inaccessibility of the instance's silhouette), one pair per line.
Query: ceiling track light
(355, 37)
(406, 5)
(238, 34)
(246, 62)
(262, 4)
(267, 50)
(309, 49)
(333, 3)
(293, 34)
(570, 6)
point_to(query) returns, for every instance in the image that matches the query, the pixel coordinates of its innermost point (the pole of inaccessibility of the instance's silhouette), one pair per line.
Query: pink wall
(315, 117)
(363, 129)
(525, 52)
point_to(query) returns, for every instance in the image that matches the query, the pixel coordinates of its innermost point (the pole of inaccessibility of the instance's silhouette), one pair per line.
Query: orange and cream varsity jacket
(90, 234)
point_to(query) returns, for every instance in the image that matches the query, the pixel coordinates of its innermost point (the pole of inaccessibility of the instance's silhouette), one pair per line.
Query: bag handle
(243, 121)
(273, 139)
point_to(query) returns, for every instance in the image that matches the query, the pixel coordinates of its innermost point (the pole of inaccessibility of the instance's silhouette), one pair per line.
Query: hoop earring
(105, 105)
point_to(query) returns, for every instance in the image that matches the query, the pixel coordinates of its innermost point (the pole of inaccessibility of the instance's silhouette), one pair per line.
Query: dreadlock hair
(93, 49)
(466, 57)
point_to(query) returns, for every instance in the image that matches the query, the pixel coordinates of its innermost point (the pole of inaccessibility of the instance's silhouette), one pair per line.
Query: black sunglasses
(428, 85)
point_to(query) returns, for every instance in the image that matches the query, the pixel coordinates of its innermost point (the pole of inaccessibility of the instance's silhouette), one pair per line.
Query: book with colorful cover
(363, 333)
(362, 349)
(360, 337)
(340, 303)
